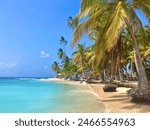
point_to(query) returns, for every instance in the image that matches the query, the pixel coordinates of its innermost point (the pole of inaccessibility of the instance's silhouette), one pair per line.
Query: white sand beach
(115, 102)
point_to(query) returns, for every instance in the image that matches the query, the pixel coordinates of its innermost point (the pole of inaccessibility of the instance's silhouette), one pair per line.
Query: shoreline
(114, 102)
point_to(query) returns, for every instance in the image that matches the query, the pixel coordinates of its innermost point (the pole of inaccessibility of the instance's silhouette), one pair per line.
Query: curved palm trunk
(143, 82)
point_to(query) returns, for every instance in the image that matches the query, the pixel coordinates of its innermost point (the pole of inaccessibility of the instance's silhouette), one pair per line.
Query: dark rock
(139, 95)
(110, 88)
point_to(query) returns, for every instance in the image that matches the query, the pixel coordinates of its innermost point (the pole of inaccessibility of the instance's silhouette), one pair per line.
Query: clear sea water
(36, 96)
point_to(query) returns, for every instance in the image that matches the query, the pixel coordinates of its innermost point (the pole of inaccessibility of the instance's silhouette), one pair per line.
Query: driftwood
(126, 84)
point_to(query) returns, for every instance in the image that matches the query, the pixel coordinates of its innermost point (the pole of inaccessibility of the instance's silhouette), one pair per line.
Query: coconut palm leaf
(109, 36)
(60, 53)
(147, 52)
(144, 5)
(73, 22)
(86, 5)
(85, 26)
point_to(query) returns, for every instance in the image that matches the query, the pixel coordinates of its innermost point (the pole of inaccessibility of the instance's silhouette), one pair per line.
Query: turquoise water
(36, 96)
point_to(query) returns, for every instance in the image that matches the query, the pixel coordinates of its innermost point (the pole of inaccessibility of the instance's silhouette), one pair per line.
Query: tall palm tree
(63, 42)
(55, 67)
(65, 67)
(60, 53)
(78, 58)
(118, 15)
(72, 22)
(65, 62)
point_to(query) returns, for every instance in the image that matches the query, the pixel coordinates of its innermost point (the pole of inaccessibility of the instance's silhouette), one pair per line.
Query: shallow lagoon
(36, 96)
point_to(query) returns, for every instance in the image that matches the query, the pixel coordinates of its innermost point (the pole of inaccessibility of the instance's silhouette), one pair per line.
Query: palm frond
(137, 24)
(86, 5)
(112, 30)
(147, 53)
(73, 22)
(85, 26)
(144, 5)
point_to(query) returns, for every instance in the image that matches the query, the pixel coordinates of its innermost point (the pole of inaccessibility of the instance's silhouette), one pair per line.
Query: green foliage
(55, 67)
(109, 25)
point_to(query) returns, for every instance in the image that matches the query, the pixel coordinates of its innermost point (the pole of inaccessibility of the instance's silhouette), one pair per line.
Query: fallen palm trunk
(127, 84)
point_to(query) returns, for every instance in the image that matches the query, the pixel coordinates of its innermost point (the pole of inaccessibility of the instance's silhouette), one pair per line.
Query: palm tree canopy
(63, 40)
(60, 53)
(55, 67)
(72, 22)
(112, 17)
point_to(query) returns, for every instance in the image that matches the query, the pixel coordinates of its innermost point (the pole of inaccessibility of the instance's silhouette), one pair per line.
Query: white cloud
(44, 54)
(8, 65)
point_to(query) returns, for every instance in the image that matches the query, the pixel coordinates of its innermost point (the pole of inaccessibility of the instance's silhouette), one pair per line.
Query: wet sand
(115, 102)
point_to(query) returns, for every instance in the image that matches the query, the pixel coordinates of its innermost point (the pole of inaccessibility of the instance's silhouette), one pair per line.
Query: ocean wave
(26, 78)
(44, 79)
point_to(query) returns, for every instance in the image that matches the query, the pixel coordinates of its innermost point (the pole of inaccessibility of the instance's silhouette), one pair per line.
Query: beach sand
(115, 102)
(119, 101)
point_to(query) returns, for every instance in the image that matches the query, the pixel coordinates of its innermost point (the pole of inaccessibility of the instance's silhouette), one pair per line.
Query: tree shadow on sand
(143, 107)
(119, 98)
(125, 99)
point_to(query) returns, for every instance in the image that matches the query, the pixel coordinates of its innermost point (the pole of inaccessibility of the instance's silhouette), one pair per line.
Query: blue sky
(29, 35)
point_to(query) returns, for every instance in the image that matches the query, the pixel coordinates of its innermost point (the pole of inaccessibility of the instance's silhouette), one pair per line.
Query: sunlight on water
(33, 95)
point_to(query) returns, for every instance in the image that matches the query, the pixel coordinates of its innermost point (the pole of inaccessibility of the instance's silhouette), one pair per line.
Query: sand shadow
(117, 99)
(119, 96)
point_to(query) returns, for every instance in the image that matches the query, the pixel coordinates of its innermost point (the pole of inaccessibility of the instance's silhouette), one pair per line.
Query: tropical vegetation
(120, 49)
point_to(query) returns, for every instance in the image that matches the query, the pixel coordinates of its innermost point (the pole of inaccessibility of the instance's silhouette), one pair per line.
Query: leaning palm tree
(113, 17)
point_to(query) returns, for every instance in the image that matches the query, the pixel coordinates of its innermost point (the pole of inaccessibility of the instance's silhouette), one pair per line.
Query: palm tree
(114, 17)
(55, 67)
(78, 58)
(63, 42)
(72, 22)
(65, 62)
(65, 67)
(60, 53)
